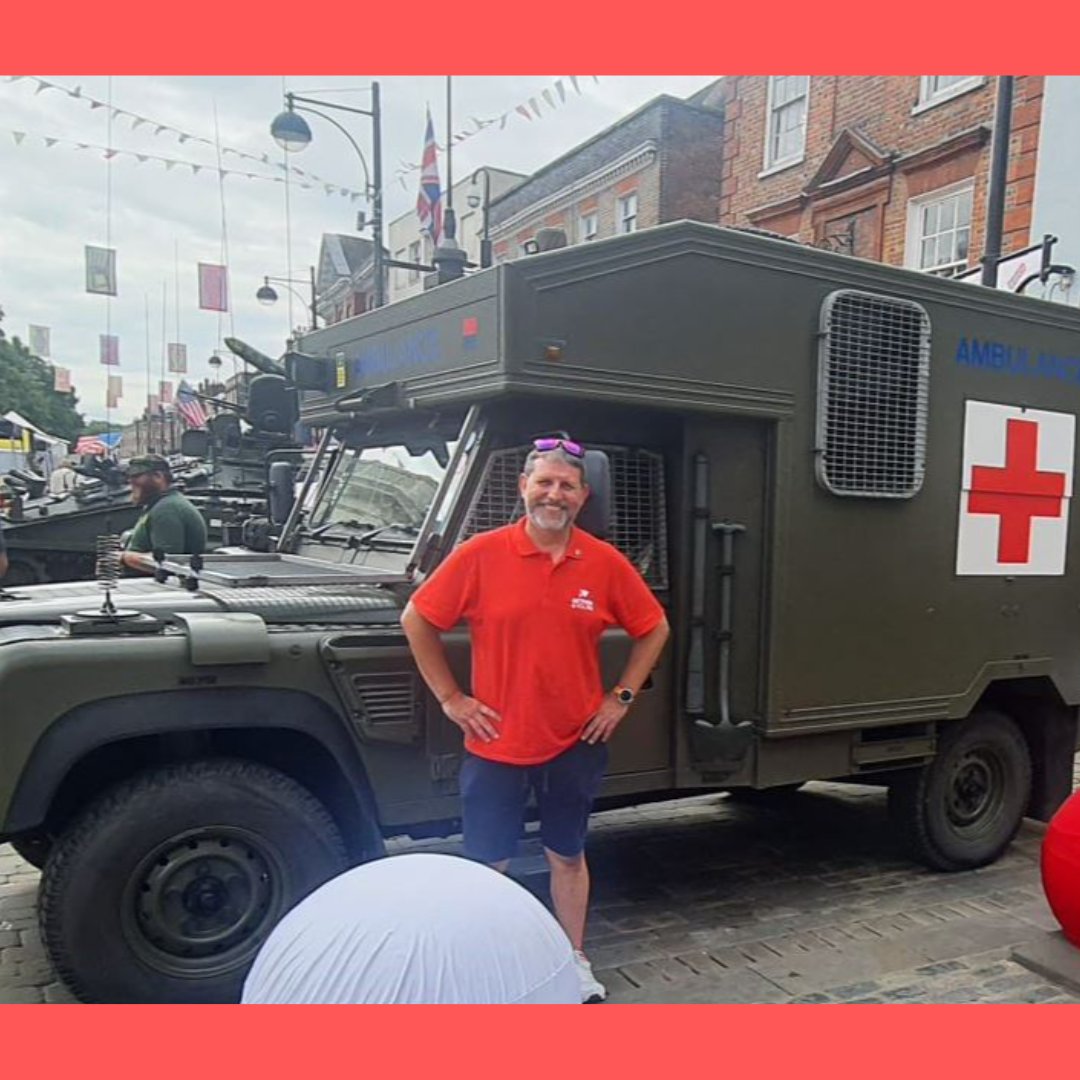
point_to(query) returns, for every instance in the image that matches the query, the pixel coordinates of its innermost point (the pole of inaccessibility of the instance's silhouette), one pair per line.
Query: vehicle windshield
(378, 486)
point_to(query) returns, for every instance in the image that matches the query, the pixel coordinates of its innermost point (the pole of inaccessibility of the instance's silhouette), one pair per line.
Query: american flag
(190, 407)
(90, 444)
(429, 200)
(104, 443)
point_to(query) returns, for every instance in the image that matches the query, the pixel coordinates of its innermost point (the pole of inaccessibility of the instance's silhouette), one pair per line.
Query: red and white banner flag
(177, 358)
(114, 392)
(1015, 490)
(213, 287)
(62, 380)
(165, 393)
(101, 270)
(109, 348)
(39, 340)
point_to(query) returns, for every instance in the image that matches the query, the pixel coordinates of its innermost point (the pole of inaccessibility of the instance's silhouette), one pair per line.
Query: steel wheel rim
(202, 902)
(975, 792)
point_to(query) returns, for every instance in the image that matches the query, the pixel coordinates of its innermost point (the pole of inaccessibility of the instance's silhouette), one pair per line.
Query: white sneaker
(593, 990)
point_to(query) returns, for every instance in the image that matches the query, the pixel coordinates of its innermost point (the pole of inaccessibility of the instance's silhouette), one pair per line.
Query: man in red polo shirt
(536, 596)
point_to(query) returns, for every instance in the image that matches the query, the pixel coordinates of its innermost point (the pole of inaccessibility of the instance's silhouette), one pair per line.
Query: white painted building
(405, 242)
(1056, 208)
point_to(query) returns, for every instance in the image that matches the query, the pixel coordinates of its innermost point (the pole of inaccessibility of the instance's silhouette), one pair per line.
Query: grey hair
(559, 455)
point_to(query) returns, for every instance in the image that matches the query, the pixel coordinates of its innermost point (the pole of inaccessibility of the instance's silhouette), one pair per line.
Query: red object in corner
(1061, 867)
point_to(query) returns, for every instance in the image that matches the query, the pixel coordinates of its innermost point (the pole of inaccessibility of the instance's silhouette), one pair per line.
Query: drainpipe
(999, 165)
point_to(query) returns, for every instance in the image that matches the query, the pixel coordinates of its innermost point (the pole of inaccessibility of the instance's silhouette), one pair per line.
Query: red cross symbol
(1018, 493)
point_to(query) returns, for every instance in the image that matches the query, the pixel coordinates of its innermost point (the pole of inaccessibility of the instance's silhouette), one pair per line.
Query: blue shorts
(494, 796)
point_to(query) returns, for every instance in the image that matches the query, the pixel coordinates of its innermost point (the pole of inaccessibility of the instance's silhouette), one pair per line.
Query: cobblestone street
(710, 900)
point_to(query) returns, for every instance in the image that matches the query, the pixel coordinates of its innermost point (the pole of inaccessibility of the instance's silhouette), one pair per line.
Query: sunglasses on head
(572, 448)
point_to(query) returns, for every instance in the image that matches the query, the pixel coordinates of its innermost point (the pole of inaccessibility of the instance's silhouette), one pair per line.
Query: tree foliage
(26, 385)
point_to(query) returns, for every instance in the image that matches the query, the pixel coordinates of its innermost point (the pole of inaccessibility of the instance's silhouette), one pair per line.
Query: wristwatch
(624, 695)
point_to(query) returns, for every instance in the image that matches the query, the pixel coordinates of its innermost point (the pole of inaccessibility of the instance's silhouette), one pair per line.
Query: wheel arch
(103, 742)
(1049, 726)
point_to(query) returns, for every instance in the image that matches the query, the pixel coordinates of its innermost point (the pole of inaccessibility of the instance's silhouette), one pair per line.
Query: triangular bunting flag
(561, 90)
(18, 136)
(535, 107)
(574, 83)
(548, 98)
(524, 112)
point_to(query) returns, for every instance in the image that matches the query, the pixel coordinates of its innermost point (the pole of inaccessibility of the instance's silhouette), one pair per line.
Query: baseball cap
(148, 463)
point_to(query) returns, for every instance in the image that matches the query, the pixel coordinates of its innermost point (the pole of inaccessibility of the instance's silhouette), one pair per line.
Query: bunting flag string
(171, 163)
(530, 109)
(183, 137)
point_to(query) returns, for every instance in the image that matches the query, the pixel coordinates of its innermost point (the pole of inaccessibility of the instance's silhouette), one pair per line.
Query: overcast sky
(55, 198)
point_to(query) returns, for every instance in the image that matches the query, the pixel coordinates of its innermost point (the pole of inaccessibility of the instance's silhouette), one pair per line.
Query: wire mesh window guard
(638, 511)
(873, 383)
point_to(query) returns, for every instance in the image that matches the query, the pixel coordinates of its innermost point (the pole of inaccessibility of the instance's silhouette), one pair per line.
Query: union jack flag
(429, 201)
(190, 407)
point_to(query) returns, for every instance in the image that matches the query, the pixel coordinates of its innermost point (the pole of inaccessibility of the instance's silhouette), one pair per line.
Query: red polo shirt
(535, 625)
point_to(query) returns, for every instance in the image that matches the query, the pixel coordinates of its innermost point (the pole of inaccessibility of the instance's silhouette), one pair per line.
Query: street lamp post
(291, 131)
(474, 202)
(267, 294)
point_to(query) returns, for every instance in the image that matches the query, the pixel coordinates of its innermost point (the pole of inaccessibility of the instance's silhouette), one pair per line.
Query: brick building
(892, 168)
(661, 163)
(345, 278)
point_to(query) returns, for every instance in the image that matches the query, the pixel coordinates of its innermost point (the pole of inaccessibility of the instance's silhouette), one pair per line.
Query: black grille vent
(638, 510)
(873, 381)
(386, 698)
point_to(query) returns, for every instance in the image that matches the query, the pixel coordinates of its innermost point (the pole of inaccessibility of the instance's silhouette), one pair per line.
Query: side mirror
(282, 491)
(595, 516)
(195, 443)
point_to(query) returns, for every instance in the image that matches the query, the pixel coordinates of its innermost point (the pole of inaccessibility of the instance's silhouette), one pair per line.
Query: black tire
(164, 888)
(33, 848)
(963, 808)
(771, 796)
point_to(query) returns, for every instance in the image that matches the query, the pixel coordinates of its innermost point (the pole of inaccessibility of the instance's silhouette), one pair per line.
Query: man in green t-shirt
(169, 522)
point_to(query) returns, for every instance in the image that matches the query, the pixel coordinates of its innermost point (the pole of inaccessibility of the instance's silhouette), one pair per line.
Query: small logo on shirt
(583, 601)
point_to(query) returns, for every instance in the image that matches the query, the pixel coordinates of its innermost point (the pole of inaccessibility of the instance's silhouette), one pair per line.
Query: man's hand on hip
(606, 720)
(472, 716)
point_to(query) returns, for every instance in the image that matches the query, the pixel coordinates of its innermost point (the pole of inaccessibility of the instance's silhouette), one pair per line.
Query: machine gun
(241, 442)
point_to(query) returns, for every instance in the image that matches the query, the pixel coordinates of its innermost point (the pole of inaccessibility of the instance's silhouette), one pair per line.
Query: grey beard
(534, 517)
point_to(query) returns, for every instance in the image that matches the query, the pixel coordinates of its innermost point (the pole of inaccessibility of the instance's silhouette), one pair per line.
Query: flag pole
(449, 222)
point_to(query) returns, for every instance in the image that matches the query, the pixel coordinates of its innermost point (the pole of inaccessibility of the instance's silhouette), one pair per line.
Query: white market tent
(57, 447)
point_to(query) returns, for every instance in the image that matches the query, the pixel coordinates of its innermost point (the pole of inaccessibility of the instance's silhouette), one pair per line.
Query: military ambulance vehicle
(849, 485)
